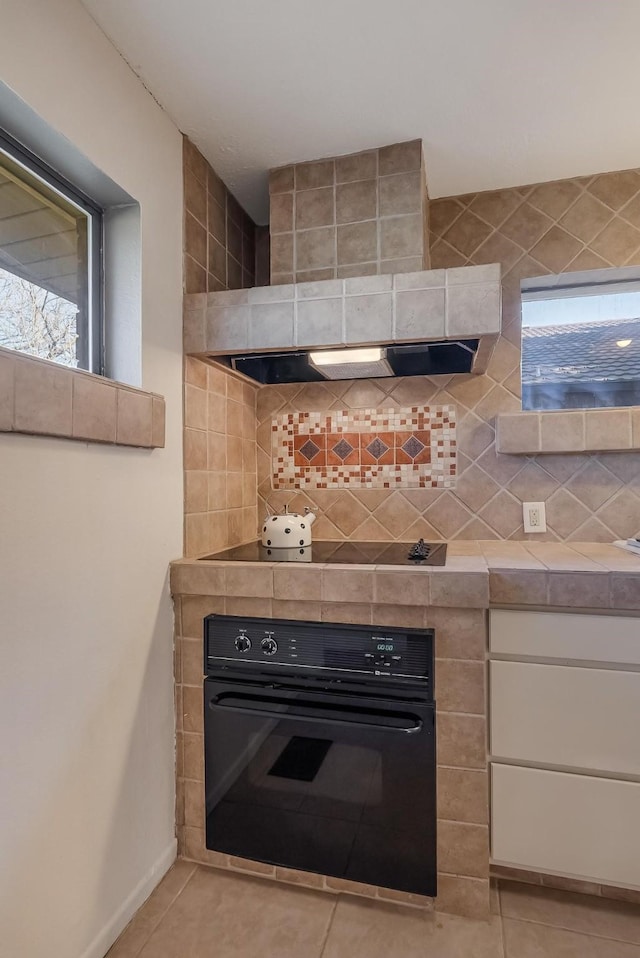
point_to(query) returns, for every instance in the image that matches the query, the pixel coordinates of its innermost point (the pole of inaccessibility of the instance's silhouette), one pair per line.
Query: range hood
(431, 322)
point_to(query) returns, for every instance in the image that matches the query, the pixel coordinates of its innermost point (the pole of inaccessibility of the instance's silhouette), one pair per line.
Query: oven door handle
(389, 721)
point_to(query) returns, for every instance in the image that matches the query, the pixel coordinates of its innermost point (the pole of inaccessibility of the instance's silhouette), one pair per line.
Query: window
(50, 264)
(581, 341)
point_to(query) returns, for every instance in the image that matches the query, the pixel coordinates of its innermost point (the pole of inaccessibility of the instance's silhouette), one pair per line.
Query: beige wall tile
(401, 193)
(94, 409)
(608, 429)
(193, 756)
(635, 417)
(309, 176)
(419, 314)
(248, 606)
(158, 417)
(461, 740)
(357, 270)
(314, 208)
(195, 449)
(357, 242)
(196, 534)
(518, 432)
(579, 590)
(342, 584)
(368, 317)
(460, 686)
(400, 157)
(293, 609)
(460, 633)
(463, 896)
(194, 804)
(356, 201)
(625, 591)
(356, 166)
(281, 213)
(319, 322)
(43, 398)
(401, 236)
(135, 417)
(463, 849)
(403, 588)
(194, 609)
(246, 580)
(463, 795)
(350, 612)
(196, 491)
(562, 432)
(293, 582)
(203, 581)
(271, 325)
(460, 590)
(316, 248)
(510, 587)
(281, 180)
(403, 616)
(195, 407)
(282, 254)
(192, 719)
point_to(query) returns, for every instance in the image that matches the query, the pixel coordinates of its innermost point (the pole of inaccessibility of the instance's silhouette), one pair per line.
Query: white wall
(86, 533)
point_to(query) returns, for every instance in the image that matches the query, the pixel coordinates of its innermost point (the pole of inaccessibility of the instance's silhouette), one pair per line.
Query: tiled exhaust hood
(426, 323)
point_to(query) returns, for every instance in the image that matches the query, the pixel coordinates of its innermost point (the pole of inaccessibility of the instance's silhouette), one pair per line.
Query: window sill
(573, 431)
(41, 398)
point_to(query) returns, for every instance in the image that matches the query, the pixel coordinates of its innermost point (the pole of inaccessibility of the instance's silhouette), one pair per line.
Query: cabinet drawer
(574, 825)
(561, 635)
(566, 715)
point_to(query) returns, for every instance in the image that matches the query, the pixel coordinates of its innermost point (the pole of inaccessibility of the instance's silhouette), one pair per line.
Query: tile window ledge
(575, 431)
(42, 398)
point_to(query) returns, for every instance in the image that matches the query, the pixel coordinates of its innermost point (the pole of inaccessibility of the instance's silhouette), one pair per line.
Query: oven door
(334, 783)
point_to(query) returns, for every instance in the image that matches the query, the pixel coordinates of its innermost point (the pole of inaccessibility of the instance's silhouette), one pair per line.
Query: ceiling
(502, 92)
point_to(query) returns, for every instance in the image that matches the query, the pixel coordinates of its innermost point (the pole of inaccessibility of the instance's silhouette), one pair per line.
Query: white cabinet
(565, 744)
(576, 825)
(563, 635)
(565, 715)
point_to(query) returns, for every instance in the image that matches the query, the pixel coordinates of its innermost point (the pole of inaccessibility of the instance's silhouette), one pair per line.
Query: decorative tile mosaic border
(413, 447)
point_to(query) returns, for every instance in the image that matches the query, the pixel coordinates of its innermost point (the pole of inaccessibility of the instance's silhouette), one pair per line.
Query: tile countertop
(477, 574)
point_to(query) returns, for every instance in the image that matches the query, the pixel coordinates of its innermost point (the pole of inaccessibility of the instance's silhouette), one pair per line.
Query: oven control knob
(269, 646)
(243, 643)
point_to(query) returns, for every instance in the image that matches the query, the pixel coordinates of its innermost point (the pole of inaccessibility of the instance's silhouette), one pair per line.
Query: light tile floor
(199, 912)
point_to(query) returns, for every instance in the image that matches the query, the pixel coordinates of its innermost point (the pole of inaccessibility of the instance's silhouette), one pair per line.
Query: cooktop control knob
(269, 645)
(243, 643)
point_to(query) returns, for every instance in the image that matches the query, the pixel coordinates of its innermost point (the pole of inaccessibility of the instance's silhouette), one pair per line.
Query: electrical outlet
(534, 516)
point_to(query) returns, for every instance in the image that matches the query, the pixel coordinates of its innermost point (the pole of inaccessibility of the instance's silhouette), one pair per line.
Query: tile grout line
(573, 931)
(161, 917)
(329, 926)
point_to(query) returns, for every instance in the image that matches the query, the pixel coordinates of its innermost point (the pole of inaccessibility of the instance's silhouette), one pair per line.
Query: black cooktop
(373, 553)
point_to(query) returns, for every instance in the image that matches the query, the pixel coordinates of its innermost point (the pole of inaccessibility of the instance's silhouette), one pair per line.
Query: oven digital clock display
(383, 644)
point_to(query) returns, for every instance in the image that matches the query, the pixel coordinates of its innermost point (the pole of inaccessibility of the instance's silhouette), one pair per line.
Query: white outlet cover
(534, 517)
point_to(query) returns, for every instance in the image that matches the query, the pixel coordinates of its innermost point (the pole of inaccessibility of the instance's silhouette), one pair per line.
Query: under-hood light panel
(366, 363)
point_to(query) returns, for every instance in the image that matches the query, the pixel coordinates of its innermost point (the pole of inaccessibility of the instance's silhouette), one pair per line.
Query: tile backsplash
(408, 448)
(583, 223)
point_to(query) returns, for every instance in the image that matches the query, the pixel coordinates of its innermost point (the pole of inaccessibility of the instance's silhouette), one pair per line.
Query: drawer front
(565, 715)
(575, 825)
(560, 635)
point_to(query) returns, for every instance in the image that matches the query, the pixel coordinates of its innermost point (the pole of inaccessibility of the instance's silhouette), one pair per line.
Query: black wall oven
(320, 748)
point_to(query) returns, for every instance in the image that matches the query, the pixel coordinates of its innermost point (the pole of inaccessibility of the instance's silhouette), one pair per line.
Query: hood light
(336, 357)
(623, 343)
(367, 363)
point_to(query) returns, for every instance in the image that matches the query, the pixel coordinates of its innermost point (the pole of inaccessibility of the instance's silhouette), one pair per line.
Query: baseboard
(108, 934)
